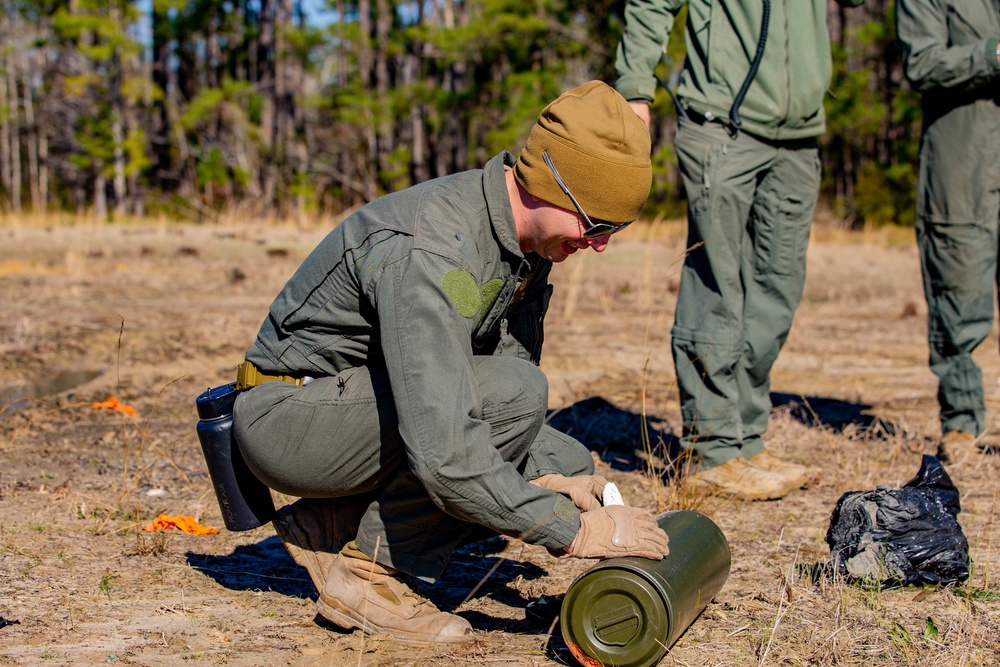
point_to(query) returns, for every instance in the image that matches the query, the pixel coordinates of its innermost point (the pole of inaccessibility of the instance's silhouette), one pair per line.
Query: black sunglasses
(591, 229)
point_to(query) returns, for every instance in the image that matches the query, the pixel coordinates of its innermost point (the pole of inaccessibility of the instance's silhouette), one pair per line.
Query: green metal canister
(628, 612)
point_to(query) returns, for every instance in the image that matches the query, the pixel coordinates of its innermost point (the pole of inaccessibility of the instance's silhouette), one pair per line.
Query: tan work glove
(584, 490)
(618, 530)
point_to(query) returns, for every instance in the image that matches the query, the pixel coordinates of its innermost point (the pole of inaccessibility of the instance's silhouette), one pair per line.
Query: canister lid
(614, 616)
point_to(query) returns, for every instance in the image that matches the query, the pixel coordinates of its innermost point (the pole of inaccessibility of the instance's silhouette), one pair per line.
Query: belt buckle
(247, 376)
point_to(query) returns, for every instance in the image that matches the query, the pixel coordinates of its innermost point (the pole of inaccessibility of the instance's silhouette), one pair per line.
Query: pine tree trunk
(100, 197)
(15, 134)
(34, 182)
(418, 138)
(365, 73)
(119, 183)
(5, 155)
(266, 71)
(43, 162)
(160, 130)
(213, 55)
(383, 113)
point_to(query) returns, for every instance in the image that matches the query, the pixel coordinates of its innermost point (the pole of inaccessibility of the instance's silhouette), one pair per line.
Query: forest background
(255, 109)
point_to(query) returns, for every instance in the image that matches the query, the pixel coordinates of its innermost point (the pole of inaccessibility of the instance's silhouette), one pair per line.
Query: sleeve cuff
(992, 48)
(636, 88)
(559, 531)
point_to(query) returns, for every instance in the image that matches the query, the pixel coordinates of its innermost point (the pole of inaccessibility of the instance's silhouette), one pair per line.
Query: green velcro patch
(565, 509)
(461, 287)
(491, 290)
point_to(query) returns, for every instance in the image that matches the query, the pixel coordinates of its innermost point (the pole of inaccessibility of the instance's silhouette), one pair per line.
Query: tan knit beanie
(601, 149)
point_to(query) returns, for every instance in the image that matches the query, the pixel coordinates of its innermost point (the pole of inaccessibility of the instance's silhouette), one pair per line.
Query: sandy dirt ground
(154, 314)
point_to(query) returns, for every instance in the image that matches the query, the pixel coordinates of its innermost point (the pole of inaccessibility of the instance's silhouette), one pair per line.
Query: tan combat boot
(957, 447)
(360, 593)
(798, 475)
(738, 479)
(314, 530)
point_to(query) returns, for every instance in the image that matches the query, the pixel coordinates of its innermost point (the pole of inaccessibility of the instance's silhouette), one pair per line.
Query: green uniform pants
(750, 209)
(959, 266)
(338, 437)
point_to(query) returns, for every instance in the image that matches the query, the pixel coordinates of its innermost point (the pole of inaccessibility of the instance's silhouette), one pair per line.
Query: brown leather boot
(957, 447)
(799, 475)
(360, 593)
(314, 530)
(738, 479)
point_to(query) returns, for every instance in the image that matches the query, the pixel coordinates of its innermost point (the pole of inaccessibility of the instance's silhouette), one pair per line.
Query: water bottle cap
(216, 402)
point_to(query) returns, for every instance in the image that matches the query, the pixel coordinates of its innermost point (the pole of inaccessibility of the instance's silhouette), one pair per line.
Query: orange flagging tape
(185, 523)
(114, 404)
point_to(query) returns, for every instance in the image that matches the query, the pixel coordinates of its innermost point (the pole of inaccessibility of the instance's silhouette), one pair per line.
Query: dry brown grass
(854, 398)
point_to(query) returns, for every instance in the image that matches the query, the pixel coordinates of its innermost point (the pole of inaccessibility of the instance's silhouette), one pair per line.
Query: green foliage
(102, 32)
(101, 28)
(135, 150)
(664, 197)
(283, 107)
(882, 194)
(397, 172)
(165, 6)
(872, 129)
(516, 102)
(106, 584)
(213, 171)
(235, 99)
(94, 135)
(931, 632)
(302, 187)
(902, 641)
(207, 102)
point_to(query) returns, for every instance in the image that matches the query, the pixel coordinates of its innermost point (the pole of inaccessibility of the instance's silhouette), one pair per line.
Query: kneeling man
(408, 409)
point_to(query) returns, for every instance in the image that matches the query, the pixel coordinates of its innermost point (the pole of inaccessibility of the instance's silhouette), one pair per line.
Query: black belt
(699, 119)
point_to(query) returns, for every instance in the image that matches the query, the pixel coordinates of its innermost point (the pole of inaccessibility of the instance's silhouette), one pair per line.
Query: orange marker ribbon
(180, 522)
(115, 405)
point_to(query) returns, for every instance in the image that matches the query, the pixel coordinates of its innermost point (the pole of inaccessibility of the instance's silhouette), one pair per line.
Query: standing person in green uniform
(951, 54)
(409, 408)
(751, 107)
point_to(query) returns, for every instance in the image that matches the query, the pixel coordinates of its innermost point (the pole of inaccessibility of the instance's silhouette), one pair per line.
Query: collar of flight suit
(498, 202)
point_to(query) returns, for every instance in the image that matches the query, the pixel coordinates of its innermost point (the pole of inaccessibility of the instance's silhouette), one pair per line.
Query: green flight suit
(421, 319)
(751, 198)
(949, 53)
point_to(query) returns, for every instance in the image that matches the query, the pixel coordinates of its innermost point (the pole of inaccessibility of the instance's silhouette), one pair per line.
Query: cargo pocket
(781, 243)
(781, 246)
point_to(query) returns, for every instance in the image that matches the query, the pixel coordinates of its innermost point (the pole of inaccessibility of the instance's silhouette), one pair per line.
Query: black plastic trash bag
(897, 537)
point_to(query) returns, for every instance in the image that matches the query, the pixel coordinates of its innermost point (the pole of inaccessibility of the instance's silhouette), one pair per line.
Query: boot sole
(349, 620)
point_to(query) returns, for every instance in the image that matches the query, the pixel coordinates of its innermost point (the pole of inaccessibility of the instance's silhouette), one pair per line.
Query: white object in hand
(612, 496)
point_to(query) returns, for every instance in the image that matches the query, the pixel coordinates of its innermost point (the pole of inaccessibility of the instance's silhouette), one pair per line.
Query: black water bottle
(245, 501)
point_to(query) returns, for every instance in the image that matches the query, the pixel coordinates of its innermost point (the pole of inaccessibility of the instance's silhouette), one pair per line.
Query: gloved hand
(618, 530)
(584, 490)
